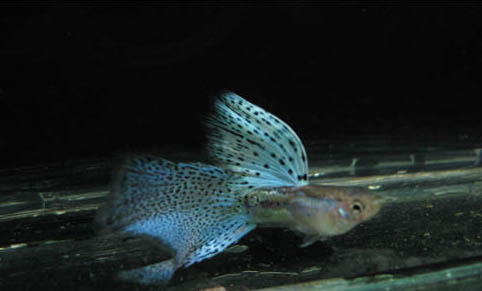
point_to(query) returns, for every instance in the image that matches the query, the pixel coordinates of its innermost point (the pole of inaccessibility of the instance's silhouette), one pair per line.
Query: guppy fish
(197, 210)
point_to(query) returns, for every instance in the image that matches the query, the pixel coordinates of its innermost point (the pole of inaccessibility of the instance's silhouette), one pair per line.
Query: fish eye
(357, 206)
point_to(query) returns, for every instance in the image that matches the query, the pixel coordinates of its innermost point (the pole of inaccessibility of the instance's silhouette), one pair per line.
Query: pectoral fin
(310, 239)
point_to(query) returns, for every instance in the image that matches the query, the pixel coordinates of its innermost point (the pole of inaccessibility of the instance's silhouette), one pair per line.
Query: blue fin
(155, 274)
(195, 210)
(247, 139)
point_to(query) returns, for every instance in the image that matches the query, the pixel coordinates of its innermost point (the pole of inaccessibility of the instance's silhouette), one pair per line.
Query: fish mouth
(376, 205)
(378, 200)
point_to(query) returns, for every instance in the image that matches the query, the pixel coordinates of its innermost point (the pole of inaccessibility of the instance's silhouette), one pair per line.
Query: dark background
(80, 81)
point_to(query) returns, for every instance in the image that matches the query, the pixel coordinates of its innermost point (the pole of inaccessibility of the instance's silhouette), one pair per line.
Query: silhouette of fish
(260, 179)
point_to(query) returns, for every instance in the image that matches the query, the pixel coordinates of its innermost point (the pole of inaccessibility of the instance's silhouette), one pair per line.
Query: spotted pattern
(198, 210)
(247, 139)
(194, 209)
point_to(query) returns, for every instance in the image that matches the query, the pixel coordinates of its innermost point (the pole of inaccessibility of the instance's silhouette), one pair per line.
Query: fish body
(314, 211)
(260, 178)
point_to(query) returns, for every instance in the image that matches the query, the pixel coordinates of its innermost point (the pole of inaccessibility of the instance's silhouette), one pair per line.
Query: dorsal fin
(247, 139)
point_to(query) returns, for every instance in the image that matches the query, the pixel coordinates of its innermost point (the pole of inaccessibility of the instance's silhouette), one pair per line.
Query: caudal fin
(195, 210)
(138, 189)
(155, 274)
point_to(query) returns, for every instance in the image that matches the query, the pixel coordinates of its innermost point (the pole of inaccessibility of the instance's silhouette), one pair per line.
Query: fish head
(331, 210)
